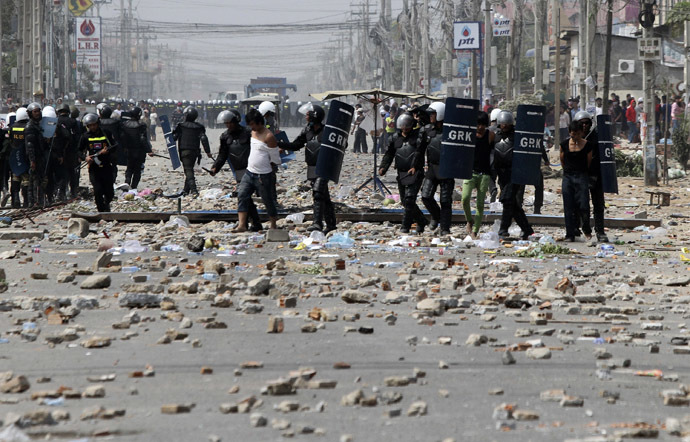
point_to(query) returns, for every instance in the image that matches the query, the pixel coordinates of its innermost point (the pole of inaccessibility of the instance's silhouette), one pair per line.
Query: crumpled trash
(297, 218)
(514, 230)
(211, 194)
(177, 221)
(489, 240)
(145, 192)
(317, 236)
(343, 192)
(658, 232)
(496, 206)
(547, 239)
(13, 434)
(341, 239)
(171, 248)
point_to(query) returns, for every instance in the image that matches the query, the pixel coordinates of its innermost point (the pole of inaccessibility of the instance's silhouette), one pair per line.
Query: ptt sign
(466, 35)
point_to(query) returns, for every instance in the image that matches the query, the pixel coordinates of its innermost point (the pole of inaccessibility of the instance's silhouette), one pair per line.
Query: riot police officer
(432, 179)
(268, 110)
(73, 157)
(36, 150)
(134, 139)
(407, 146)
(596, 188)
(112, 129)
(503, 163)
(235, 146)
(95, 149)
(189, 134)
(59, 163)
(310, 139)
(19, 162)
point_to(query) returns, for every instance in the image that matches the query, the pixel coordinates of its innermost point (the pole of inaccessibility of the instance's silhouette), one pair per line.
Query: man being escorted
(95, 149)
(310, 139)
(235, 146)
(21, 179)
(189, 134)
(407, 147)
(432, 180)
(264, 153)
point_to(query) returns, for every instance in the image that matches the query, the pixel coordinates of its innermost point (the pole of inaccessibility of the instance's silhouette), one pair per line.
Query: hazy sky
(234, 56)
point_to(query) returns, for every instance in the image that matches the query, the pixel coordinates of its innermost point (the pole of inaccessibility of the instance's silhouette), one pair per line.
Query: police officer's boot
(331, 222)
(318, 218)
(27, 196)
(446, 214)
(14, 191)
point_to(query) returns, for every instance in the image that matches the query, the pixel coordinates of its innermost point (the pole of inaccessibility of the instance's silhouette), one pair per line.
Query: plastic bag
(489, 240)
(658, 232)
(297, 218)
(177, 221)
(341, 239)
(317, 236)
(343, 192)
(514, 230)
(496, 206)
(133, 246)
(211, 194)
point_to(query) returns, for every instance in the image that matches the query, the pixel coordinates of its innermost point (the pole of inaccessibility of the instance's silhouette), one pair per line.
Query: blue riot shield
(19, 163)
(529, 139)
(334, 140)
(459, 138)
(607, 157)
(170, 141)
(48, 125)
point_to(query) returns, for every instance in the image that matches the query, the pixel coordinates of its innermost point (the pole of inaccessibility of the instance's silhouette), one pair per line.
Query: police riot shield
(48, 125)
(170, 141)
(459, 138)
(19, 163)
(334, 140)
(529, 139)
(607, 157)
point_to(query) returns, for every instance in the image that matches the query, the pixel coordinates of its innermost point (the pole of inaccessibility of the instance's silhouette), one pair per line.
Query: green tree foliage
(681, 147)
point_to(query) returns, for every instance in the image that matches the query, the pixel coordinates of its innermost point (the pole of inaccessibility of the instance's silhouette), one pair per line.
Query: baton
(207, 170)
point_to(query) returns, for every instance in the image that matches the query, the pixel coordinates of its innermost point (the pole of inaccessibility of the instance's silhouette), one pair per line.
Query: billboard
(466, 35)
(88, 46)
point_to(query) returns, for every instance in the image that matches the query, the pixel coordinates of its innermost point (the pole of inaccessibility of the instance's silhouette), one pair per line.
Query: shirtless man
(264, 153)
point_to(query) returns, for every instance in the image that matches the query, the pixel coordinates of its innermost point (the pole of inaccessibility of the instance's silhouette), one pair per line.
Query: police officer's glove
(593, 181)
(198, 160)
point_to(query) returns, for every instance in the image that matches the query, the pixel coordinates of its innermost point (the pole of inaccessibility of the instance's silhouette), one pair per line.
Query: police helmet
(266, 107)
(73, 111)
(439, 109)
(505, 117)
(317, 114)
(190, 113)
(33, 106)
(582, 115)
(229, 116)
(135, 113)
(405, 121)
(89, 118)
(106, 112)
(494, 114)
(64, 107)
(22, 114)
(100, 107)
(49, 112)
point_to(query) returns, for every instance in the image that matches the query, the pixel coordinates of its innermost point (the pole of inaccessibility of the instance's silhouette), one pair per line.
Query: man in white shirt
(264, 153)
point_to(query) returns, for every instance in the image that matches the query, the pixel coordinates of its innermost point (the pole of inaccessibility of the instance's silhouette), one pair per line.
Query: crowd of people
(43, 167)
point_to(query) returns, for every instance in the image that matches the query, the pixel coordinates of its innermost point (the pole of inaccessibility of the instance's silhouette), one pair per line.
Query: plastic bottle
(208, 276)
(130, 269)
(29, 326)
(607, 247)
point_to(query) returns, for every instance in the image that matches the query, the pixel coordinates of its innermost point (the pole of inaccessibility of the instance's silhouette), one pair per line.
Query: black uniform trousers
(441, 215)
(101, 178)
(323, 206)
(188, 158)
(512, 209)
(133, 173)
(408, 196)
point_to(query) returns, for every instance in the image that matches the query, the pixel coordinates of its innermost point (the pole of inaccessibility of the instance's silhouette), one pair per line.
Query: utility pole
(581, 57)
(426, 72)
(1, 15)
(649, 143)
(556, 24)
(67, 52)
(607, 54)
(539, 22)
(487, 49)
(406, 49)
(686, 72)
(123, 51)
